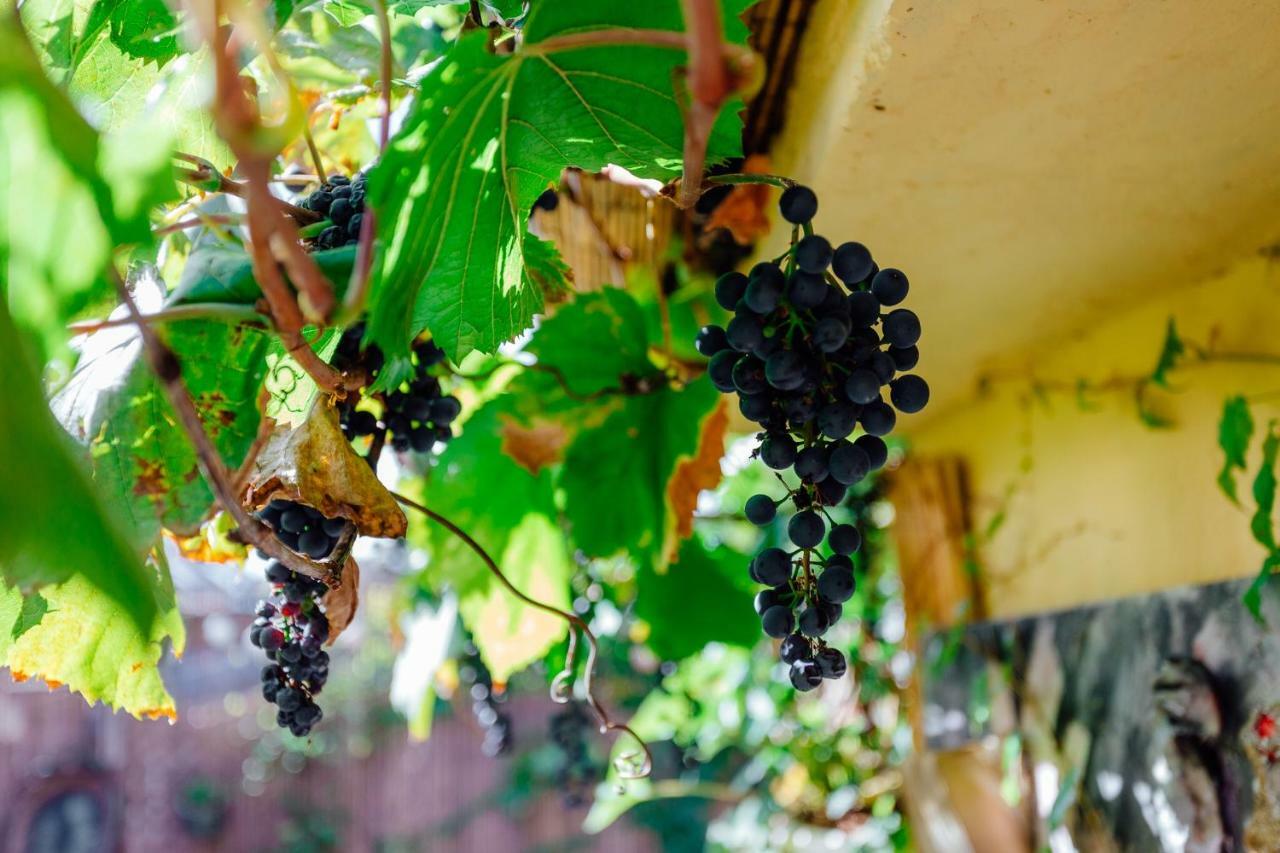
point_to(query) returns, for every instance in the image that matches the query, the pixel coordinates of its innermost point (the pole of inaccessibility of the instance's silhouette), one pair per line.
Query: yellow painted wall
(1108, 506)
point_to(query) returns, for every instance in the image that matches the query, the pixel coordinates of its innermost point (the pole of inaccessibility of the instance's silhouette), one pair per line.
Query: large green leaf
(616, 475)
(53, 525)
(595, 341)
(71, 634)
(487, 135)
(512, 514)
(113, 56)
(45, 139)
(699, 575)
(140, 456)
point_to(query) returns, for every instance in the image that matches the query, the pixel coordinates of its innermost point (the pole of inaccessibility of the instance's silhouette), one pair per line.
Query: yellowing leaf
(87, 643)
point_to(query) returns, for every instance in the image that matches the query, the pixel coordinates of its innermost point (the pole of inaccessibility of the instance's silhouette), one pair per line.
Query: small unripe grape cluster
(291, 629)
(485, 703)
(415, 415)
(576, 775)
(809, 352)
(341, 201)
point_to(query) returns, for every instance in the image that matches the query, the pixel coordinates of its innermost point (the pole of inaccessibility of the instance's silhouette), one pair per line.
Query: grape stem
(229, 311)
(164, 363)
(358, 287)
(607, 724)
(644, 385)
(275, 243)
(205, 176)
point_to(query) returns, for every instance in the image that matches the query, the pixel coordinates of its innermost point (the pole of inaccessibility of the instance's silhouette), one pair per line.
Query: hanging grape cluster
(577, 775)
(485, 703)
(415, 415)
(341, 201)
(291, 629)
(810, 349)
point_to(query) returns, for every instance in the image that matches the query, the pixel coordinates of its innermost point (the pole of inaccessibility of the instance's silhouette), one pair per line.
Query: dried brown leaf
(340, 604)
(743, 210)
(692, 475)
(315, 465)
(535, 446)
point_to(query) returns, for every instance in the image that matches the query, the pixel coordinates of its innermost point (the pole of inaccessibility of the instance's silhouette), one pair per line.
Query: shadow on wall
(1146, 723)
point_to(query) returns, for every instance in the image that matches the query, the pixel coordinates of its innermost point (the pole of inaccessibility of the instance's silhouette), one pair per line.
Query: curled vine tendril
(633, 764)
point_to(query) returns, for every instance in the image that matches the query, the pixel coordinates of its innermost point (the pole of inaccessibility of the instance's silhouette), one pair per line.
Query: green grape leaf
(44, 135)
(699, 574)
(1264, 491)
(512, 515)
(487, 135)
(595, 341)
(143, 29)
(54, 526)
(1234, 431)
(218, 272)
(71, 634)
(139, 455)
(113, 58)
(1171, 352)
(1252, 598)
(618, 477)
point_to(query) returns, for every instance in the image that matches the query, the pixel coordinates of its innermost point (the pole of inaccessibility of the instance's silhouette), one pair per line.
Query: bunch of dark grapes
(813, 343)
(303, 529)
(577, 774)
(341, 201)
(415, 415)
(291, 629)
(485, 704)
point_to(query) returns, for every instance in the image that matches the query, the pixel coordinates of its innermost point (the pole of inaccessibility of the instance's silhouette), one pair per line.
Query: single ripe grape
(744, 332)
(720, 370)
(814, 621)
(852, 263)
(830, 333)
(875, 448)
(811, 464)
(784, 370)
(836, 585)
(798, 204)
(848, 463)
(778, 451)
(794, 647)
(773, 563)
(711, 340)
(902, 328)
(730, 288)
(844, 539)
(778, 621)
(904, 358)
(837, 419)
(831, 663)
(805, 675)
(864, 309)
(806, 529)
(806, 290)
(748, 376)
(813, 254)
(878, 418)
(862, 386)
(909, 393)
(761, 510)
(890, 286)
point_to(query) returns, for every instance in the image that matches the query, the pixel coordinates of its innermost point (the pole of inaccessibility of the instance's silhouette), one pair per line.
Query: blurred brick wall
(400, 790)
